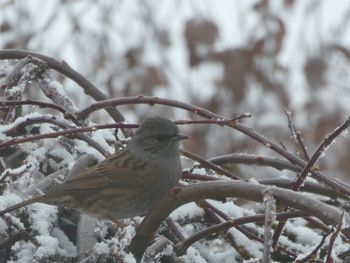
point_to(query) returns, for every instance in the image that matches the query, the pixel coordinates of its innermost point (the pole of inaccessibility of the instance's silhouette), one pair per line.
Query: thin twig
(199, 177)
(68, 130)
(207, 114)
(66, 115)
(242, 158)
(302, 176)
(174, 229)
(222, 189)
(319, 151)
(71, 131)
(243, 229)
(220, 122)
(270, 214)
(182, 246)
(314, 252)
(21, 234)
(209, 165)
(66, 70)
(13, 77)
(332, 240)
(296, 135)
(311, 187)
(215, 215)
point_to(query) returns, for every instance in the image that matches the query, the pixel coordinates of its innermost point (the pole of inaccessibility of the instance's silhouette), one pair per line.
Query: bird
(129, 182)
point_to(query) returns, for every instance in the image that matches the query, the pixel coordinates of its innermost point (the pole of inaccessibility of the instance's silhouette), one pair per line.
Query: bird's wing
(117, 170)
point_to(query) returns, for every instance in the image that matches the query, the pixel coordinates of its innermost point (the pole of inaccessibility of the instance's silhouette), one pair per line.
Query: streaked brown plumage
(129, 182)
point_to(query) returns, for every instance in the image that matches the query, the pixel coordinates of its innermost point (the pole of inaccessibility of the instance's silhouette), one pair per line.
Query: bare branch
(209, 165)
(207, 114)
(332, 240)
(41, 104)
(270, 214)
(68, 130)
(250, 191)
(14, 76)
(314, 252)
(66, 70)
(242, 158)
(311, 187)
(296, 136)
(319, 151)
(182, 246)
(304, 173)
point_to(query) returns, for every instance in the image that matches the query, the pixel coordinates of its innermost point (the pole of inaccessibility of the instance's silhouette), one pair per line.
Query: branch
(182, 246)
(214, 190)
(68, 130)
(313, 253)
(71, 131)
(216, 214)
(66, 115)
(66, 70)
(242, 158)
(296, 135)
(270, 214)
(208, 114)
(13, 77)
(209, 165)
(319, 151)
(287, 183)
(332, 240)
(302, 176)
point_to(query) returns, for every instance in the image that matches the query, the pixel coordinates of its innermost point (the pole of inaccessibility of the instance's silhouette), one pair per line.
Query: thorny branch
(16, 103)
(215, 188)
(182, 246)
(296, 136)
(207, 114)
(306, 170)
(314, 252)
(332, 240)
(66, 70)
(270, 214)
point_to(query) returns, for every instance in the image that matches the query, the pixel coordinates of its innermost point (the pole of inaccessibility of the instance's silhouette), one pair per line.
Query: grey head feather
(156, 137)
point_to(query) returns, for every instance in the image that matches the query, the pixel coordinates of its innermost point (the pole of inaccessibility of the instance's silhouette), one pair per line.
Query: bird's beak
(180, 137)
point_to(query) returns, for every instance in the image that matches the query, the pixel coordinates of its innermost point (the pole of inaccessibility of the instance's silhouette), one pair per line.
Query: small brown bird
(127, 183)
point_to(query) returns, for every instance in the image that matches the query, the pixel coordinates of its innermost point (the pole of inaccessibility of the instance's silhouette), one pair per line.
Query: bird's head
(157, 136)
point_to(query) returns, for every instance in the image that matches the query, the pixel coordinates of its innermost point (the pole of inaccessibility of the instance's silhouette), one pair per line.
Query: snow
(64, 242)
(303, 234)
(19, 120)
(186, 211)
(24, 252)
(83, 147)
(42, 218)
(49, 246)
(101, 248)
(100, 136)
(253, 248)
(200, 171)
(193, 256)
(9, 199)
(307, 33)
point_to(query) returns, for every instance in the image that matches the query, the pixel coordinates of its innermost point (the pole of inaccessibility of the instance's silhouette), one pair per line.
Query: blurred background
(230, 57)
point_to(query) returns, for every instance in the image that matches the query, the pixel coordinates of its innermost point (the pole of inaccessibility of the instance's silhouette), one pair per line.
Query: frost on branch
(213, 215)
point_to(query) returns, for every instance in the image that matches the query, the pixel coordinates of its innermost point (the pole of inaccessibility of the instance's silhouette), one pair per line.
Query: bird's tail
(22, 204)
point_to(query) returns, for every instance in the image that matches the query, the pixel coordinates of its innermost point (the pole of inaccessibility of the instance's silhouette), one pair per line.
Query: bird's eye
(161, 137)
